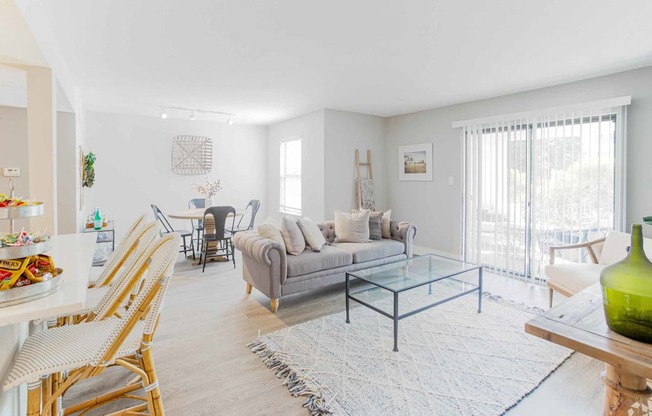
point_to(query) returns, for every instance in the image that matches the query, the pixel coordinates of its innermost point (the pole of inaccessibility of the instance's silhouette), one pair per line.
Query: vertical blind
(541, 180)
(290, 161)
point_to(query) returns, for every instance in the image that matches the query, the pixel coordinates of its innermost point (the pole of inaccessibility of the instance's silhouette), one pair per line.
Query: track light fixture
(194, 112)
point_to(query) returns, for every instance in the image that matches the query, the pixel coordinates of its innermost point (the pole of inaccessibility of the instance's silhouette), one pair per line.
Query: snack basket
(27, 293)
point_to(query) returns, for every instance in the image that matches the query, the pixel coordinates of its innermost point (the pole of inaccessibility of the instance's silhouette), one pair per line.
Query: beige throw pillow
(294, 242)
(352, 228)
(375, 223)
(384, 224)
(311, 232)
(272, 232)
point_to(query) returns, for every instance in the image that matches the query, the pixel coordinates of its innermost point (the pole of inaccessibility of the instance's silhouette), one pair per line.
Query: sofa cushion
(272, 232)
(363, 252)
(314, 238)
(293, 237)
(385, 224)
(573, 277)
(615, 247)
(310, 261)
(353, 228)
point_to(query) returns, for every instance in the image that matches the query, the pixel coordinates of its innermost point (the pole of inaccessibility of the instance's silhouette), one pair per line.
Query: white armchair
(569, 278)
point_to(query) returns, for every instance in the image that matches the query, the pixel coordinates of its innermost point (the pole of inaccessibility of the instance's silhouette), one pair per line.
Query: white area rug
(451, 360)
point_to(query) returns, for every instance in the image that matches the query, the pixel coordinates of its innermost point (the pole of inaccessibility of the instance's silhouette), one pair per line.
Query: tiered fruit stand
(33, 291)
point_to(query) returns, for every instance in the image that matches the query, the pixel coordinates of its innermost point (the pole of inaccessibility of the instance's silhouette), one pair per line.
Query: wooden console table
(579, 324)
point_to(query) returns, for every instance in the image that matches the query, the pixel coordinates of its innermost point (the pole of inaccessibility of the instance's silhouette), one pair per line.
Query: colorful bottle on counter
(97, 219)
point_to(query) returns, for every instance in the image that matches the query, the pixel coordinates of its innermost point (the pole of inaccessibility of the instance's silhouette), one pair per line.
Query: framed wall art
(415, 162)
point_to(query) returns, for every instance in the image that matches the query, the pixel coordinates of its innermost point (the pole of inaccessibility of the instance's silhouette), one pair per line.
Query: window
(290, 200)
(537, 182)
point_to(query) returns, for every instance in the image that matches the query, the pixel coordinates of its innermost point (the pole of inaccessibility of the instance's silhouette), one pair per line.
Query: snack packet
(41, 268)
(10, 271)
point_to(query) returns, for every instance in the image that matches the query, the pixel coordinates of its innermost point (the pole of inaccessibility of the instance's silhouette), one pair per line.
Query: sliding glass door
(533, 183)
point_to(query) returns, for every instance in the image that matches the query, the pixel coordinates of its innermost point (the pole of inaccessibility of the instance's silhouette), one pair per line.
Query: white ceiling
(268, 61)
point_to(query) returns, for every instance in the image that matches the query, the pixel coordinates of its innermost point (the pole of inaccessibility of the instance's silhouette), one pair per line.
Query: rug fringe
(297, 384)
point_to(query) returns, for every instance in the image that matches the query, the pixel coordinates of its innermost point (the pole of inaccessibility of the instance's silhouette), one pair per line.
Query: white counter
(73, 253)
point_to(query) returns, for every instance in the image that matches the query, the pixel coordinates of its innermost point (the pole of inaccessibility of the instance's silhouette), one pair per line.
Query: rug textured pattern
(451, 360)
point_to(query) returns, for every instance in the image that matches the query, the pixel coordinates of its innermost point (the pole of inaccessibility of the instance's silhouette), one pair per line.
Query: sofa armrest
(264, 262)
(404, 232)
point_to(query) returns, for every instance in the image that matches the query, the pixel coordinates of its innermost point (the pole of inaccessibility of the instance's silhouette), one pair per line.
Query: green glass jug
(627, 292)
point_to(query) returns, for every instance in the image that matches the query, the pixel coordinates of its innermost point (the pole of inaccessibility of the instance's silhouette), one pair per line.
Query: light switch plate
(11, 172)
(451, 180)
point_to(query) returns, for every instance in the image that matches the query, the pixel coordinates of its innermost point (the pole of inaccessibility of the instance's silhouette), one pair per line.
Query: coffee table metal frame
(402, 264)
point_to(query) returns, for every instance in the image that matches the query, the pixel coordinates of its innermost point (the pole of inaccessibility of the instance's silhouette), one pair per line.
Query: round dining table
(196, 214)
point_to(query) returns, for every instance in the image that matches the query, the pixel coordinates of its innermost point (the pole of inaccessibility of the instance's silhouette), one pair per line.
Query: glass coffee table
(402, 276)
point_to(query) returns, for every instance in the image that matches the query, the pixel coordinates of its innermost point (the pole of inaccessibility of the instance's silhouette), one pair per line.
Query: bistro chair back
(218, 226)
(128, 279)
(119, 255)
(255, 206)
(197, 225)
(160, 217)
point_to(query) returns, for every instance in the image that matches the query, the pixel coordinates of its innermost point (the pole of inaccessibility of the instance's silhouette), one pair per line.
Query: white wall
(436, 206)
(67, 173)
(133, 167)
(345, 132)
(13, 154)
(310, 128)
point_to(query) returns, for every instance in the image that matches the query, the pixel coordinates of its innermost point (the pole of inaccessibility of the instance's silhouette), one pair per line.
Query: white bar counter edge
(73, 253)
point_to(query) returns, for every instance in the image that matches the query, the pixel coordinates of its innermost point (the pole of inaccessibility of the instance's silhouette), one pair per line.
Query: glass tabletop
(406, 274)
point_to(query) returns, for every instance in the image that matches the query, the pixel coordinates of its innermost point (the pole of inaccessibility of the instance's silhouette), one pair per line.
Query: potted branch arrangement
(209, 189)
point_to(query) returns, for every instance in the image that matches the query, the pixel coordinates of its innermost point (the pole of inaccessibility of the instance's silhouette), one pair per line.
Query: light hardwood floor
(205, 367)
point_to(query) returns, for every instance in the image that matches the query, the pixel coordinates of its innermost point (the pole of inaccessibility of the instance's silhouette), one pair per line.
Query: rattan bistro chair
(119, 255)
(217, 239)
(158, 215)
(105, 301)
(85, 350)
(254, 204)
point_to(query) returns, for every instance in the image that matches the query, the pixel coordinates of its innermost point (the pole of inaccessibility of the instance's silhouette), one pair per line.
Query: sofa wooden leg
(273, 303)
(550, 292)
(248, 289)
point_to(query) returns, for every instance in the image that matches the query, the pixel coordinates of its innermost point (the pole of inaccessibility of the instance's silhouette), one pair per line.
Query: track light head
(192, 115)
(164, 115)
(229, 121)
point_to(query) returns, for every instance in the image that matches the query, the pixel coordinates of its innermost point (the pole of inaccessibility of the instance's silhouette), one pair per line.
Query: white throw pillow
(384, 224)
(311, 232)
(272, 232)
(294, 241)
(352, 228)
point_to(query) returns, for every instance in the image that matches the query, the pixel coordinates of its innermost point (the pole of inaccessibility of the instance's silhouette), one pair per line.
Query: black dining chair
(197, 225)
(158, 214)
(255, 205)
(220, 235)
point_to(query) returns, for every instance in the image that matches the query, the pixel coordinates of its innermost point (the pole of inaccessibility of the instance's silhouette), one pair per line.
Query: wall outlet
(11, 172)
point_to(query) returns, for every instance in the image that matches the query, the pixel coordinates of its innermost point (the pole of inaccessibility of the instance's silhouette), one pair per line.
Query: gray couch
(267, 267)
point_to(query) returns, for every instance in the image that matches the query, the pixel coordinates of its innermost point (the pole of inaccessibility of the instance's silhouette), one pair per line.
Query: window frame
(283, 207)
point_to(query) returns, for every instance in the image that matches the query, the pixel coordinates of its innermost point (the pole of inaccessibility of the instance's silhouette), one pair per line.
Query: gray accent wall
(345, 132)
(436, 206)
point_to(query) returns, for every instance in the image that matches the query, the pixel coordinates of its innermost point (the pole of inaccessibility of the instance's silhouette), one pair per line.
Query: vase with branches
(208, 189)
